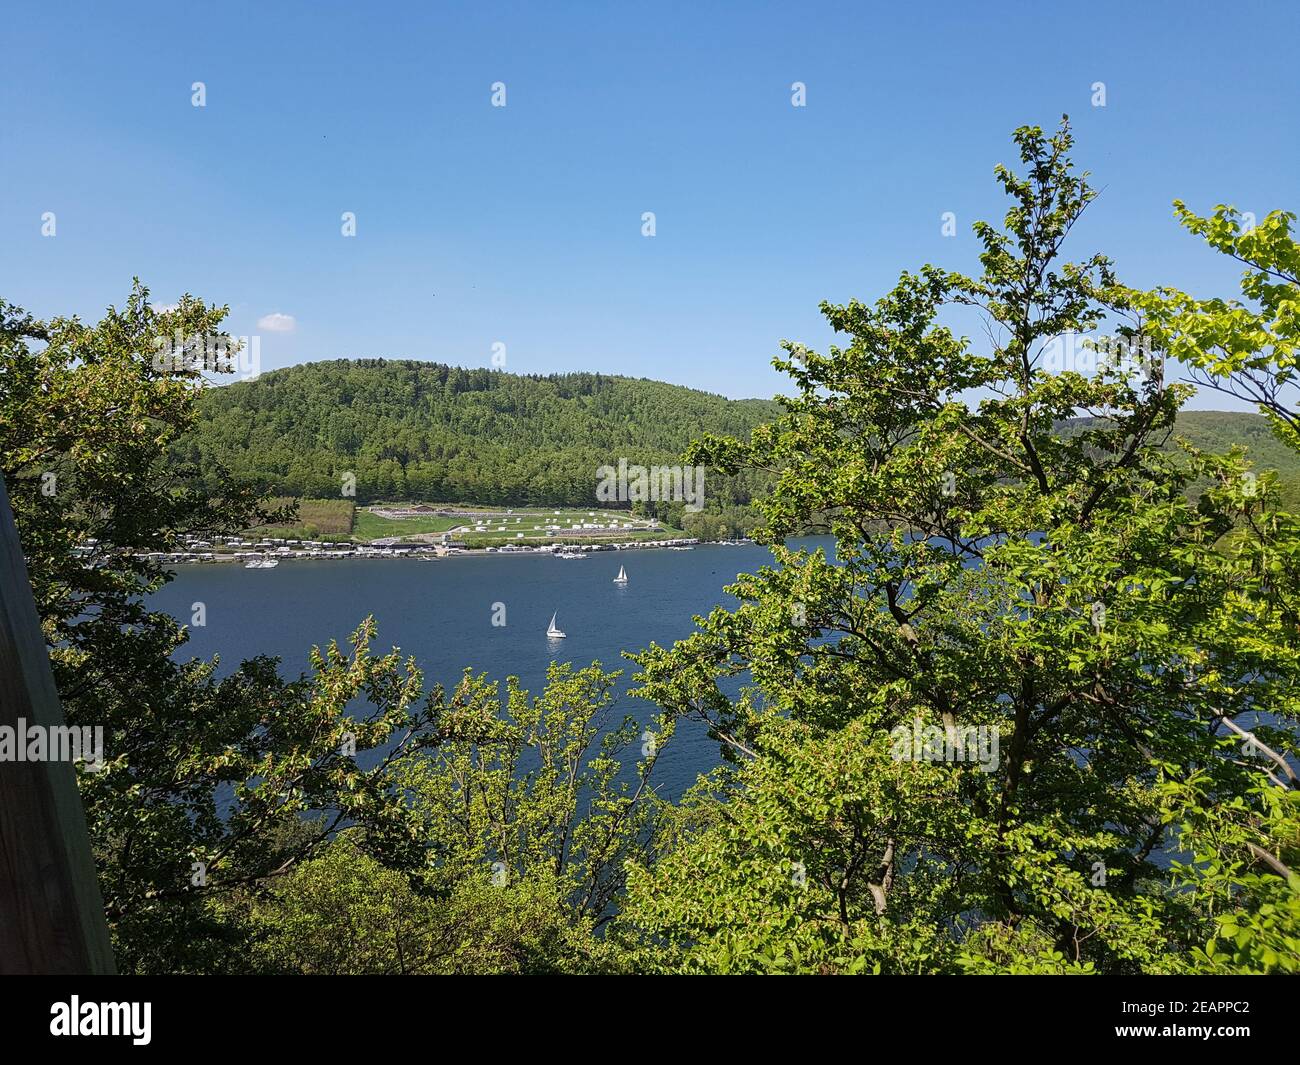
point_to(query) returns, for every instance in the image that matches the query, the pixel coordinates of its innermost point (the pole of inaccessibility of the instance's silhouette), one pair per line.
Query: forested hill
(420, 430)
(1219, 431)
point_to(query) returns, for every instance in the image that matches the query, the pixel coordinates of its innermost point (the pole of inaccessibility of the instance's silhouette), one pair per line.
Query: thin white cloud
(278, 323)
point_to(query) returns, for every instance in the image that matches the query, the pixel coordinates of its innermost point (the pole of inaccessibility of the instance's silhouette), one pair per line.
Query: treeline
(413, 430)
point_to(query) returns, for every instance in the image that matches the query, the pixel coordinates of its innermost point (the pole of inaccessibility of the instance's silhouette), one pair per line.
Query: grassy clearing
(368, 526)
(493, 526)
(328, 519)
(532, 539)
(339, 519)
(539, 524)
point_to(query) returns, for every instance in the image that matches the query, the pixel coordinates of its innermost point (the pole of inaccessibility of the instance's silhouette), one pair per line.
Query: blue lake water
(441, 613)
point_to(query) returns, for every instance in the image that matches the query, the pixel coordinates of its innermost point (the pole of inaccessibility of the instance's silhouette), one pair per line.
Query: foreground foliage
(994, 578)
(527, 820)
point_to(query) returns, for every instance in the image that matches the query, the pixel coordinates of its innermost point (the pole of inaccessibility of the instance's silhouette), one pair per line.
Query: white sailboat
(622, 576)
(553, 631)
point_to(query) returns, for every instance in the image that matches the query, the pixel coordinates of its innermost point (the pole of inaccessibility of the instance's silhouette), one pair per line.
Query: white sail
(622, 576)
(553, 630)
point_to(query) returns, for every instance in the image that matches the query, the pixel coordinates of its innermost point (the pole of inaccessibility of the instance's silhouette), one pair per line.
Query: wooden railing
(51, 911)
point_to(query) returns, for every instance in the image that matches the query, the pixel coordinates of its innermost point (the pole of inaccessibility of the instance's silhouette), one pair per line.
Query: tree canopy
(994, 578)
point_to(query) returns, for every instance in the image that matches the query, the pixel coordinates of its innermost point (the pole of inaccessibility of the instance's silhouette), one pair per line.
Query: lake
(441, 613)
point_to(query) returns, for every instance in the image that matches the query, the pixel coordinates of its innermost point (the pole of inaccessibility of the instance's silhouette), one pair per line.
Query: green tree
(204, 779)
(997, 578)
(1246, 348)
(528, 810)
(1247, 851)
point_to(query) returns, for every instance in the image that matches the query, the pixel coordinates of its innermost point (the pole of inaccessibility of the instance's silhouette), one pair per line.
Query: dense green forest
(413, 430)
(421, 430)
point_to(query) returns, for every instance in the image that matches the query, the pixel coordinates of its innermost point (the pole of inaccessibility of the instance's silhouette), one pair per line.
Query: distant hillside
(421, 430)
(1218, 431)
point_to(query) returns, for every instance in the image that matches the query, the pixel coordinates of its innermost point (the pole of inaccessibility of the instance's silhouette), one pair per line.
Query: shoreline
(419, 552)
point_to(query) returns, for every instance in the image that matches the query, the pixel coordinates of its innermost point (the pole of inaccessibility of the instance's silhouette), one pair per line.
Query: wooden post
(51, 911)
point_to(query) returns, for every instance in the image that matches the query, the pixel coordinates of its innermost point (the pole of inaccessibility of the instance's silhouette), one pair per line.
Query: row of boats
(554, 632)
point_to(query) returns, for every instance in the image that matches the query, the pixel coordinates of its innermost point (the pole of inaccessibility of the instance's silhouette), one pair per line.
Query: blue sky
(522, 225)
